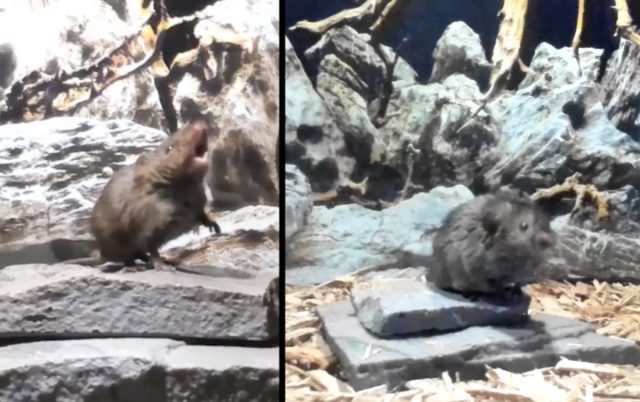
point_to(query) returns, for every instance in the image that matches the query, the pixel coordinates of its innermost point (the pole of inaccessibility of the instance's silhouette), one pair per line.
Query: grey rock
(53, 171)
(620, 88)
(133, 98)
(74, 301)
(559, 67)
(351, 80)
(405, 307)
(368, 361)
(248, 241)
(623, 205)
(429, 118)
(346, 96)
(345, 238)
(136, 369)
(313, 140)
(356, 50)
(235, 89)
(298, 205)
(459, 51)
(556, 126)
(210, 373)
(601, 255)
(81, 35)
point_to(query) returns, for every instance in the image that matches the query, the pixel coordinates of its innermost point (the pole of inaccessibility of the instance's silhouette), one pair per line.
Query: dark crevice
(181, 8)
(311, 134)
(166, 102)
(178, 39)
(575, 111)
(385, 87)
(49, 252)
(15, 339)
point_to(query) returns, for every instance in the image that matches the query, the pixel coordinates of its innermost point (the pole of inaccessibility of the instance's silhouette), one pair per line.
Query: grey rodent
(491, 243)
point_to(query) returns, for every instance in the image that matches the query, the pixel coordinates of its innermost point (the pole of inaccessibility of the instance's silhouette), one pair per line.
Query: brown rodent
(154, 200)
(490, 244)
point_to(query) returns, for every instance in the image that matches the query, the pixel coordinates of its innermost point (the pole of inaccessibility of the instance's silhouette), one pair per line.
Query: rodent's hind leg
(157, 262)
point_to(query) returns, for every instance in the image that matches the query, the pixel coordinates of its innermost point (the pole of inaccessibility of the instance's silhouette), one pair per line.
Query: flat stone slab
(136, 369)
(64, 301)
(367, 361)
(405, 306)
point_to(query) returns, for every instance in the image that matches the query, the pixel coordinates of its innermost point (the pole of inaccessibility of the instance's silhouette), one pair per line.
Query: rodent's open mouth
(201, 147)
(200, 161)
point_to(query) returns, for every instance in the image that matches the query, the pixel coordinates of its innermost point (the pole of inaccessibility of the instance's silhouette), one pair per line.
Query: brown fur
(158, 198)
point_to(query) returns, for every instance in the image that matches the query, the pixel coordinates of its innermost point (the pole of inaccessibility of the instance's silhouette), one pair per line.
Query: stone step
(368, 361)
(405, 306)
(71, 301)
(136, 369)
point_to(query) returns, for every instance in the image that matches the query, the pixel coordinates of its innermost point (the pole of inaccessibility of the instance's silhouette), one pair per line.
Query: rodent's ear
(508, 192)
(490, 221)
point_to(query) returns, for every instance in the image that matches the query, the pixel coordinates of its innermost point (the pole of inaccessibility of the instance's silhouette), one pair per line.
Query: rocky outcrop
(394, 126)
(53, 172)
(620, 87)
(136, 369)
(459, 51)
(101, 60)
(70, 37)
(555, 125)
(313, 140)
(352, 80)
(234, 85)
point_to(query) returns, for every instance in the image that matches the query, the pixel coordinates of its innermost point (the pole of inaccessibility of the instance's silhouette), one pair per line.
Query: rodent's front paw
(210, 223)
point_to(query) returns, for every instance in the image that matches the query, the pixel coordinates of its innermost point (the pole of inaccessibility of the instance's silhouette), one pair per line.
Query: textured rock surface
(430, 118)
(623, 205)
(403, 307)
(235, 87)
(352, 81)
(460, 51)
(136, 369)
(621, 86)
(133, 98)
(73, 301)
(367, 361)
(555, 125)
(71, 37)
(313, 140)
(343, 239)
(249, 240)
(53, 170)
(601, 255)
(298, 203)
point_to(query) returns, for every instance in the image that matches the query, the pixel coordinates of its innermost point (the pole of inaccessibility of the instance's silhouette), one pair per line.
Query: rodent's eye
(169, 148)
(524, 226)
